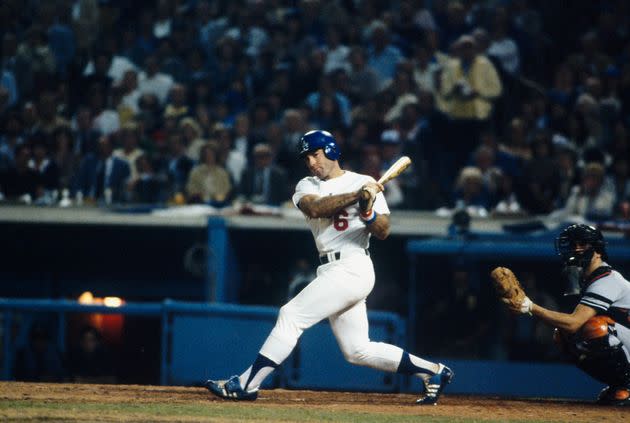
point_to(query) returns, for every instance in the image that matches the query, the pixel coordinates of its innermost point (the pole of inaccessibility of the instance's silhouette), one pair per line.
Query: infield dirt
(76, 402)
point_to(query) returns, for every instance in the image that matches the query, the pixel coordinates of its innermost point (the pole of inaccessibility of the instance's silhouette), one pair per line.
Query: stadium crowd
(505, 106)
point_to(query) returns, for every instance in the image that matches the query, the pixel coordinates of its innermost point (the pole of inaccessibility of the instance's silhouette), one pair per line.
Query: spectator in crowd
(155, 82)
(208, 182)
(35, 50)
(9, 86)
(163, 20)
(177, 104)
(337, 106)
(364, 81)
(505, 199)
(85, 18)
(30, 119)
(336, 52)
(63, 155)
(566, 162)
(129, 150)
(241, 133)
(117, 63)
(540, 176)
(18, 66)
(328, 113)
(470, 84)
(49, 118)
(104, 119)
(89, 360)
(10, 138)
(130, 92)
(98, 76)
(471, 192)
(234, 161)
(370, 161)
(264, 183)
(103, 176)
(211, 25)
(294, 126)
(147, 187)
(619, 181)
(21, 182)
(426, 72)
(61, 38)
(502, 47)
(590, 60)
(179, 165)
(454, 24)
(44, 165)
(516, 144)
(193, 137)
(86, 136)
(591, 199)
(383, 56)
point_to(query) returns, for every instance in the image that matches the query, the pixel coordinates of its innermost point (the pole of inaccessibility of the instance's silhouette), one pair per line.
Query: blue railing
(201, 340)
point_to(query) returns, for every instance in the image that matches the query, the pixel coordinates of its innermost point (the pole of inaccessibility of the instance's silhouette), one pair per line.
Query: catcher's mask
(574, 261)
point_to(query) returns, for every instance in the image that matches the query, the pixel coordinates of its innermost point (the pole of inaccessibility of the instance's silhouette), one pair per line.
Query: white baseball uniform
(339, 290)
(345, 231)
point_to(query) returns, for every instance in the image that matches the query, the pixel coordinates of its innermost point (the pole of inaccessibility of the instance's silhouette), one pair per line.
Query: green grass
(28, 410)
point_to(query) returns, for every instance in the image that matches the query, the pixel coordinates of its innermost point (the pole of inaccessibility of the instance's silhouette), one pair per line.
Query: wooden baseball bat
(394, 170)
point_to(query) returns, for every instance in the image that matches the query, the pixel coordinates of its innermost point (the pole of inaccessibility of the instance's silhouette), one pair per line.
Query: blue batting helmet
(314, 140)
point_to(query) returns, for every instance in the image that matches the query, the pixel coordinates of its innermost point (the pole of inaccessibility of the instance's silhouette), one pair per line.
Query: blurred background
(148, 153)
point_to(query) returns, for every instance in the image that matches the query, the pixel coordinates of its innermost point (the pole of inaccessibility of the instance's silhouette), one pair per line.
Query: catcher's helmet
(580, 234)
(576, 262)
(314, 140)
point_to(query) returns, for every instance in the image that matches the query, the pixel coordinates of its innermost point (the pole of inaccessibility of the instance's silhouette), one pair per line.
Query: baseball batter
(343, 209)
(596, 335)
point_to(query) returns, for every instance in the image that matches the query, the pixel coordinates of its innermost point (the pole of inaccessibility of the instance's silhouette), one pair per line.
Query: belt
(334, 256)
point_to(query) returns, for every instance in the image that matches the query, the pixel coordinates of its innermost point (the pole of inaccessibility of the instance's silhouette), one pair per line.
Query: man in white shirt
(154, 81)
(342, 221)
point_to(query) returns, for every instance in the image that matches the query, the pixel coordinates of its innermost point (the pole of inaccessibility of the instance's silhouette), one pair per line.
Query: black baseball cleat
(435, 385)
(230, 389)
(614, 395)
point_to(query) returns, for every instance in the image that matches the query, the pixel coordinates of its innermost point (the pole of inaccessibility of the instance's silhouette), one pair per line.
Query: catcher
(596, 335)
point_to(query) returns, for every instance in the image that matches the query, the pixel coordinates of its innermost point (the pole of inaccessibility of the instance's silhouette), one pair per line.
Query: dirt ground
(402, 404)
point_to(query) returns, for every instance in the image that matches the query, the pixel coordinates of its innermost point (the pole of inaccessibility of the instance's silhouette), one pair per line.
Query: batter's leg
(323, 297)
(351, 330)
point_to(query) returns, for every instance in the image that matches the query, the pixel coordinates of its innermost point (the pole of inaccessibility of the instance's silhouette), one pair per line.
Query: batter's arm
(380, 227)
(315, 206)
(567, 322)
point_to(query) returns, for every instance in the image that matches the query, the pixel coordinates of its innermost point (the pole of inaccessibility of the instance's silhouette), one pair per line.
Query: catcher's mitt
(510, 290)
(368, 195)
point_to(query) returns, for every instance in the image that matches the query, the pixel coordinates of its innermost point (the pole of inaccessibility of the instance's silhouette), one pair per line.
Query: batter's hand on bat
(375, 187)
(368, 196)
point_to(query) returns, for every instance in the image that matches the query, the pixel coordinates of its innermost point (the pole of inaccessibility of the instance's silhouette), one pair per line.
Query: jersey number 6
(340, 222)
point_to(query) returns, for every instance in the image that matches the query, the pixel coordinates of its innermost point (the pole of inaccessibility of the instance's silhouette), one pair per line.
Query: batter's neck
(335, 172)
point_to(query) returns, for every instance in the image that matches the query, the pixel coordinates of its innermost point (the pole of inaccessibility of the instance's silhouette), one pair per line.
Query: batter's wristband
(369, 217)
